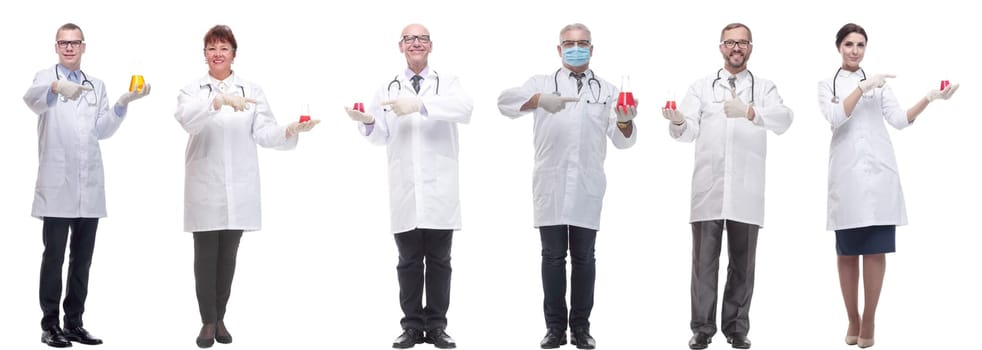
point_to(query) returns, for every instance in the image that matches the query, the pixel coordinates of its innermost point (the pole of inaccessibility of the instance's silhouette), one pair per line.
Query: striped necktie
(579, 80)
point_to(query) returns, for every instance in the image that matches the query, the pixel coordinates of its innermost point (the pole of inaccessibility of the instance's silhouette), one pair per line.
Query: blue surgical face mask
(576, 56)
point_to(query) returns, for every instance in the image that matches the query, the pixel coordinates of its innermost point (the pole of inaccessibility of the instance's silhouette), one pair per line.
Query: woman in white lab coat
(226, 117)
(865, 202)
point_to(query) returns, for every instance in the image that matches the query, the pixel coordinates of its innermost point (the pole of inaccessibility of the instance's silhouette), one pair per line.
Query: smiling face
(853, 49)
(737, 56)
(416, 45)
(70, 45)
(219, 55)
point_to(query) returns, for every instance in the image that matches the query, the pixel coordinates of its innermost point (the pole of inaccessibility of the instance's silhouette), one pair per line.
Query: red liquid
(944, 84)
(359, 107)
(304, 118)
(669, 104)
(626, 99)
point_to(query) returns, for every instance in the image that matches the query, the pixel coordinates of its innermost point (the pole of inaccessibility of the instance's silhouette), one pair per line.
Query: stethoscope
(753, 83)
(589, 83)
(209, 89)
(835, 99)
(395, 80)
(85, 80)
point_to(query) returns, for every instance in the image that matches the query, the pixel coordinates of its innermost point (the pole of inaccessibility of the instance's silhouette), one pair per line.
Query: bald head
(416, 45)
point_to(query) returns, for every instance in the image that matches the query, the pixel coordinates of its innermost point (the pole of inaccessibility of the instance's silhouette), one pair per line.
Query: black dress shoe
(54, 337)
(206, 337)
(440, 339)
(80, 335)
(582, 339)
(553, 339)
(700, 340)
(409, 338)
(221, 333)
(738, 341)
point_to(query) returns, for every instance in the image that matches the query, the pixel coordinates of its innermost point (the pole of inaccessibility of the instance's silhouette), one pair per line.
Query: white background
(321, 272)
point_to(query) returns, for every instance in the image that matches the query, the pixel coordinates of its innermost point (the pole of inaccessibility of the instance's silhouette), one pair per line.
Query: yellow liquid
(136, 83)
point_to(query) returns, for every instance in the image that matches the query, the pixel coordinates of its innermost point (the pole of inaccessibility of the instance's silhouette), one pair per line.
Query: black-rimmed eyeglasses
(74, 43)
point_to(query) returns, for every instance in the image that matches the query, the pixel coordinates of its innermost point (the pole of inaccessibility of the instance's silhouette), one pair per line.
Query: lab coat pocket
(753, 179)
(594, 183)
(52, 174)
(444, 183)
(600, 114)
(545, 188)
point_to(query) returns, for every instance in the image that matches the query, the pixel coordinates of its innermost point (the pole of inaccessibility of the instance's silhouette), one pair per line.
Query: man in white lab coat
(73, 115)
(416, 115)
(727, 114)
(574, 115)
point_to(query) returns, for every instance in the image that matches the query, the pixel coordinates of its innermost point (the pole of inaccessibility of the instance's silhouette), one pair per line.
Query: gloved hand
(673, 115)
(133, 96)
(359, 116)
(69, 89)
(552, 103)
(735, 108)
(238, 103)
(942, 94)
(404, 105)
(297, 127)
(625, 113)
(876, 81)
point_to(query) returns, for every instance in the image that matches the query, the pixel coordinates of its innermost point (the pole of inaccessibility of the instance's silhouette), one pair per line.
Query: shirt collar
(424, 73)
(725, 74)
(231, 81)
(65, 72)
(565, 72)
(843, 73)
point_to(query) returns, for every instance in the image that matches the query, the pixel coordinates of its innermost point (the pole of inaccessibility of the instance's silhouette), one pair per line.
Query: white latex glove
(942, 94)
(133, 96)
(404, 105)
(297, 127)
(673, 115)
(238, 103)
(877, 81)
(69, 89)
(359, 116)
(625, 113)
(552, 103)
(735, 108)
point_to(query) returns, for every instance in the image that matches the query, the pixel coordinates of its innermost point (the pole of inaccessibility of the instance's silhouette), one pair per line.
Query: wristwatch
(623, 125)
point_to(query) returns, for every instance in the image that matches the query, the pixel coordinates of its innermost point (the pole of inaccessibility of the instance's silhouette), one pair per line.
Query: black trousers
(55, 236)
(707, 237)
(214, 267)
(580, 242)
(414, 246)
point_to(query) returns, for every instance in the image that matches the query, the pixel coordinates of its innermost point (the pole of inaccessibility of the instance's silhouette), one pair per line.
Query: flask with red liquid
(359, 107)
(304, 113)
(626, 97)
(670, 101)
(944, 84)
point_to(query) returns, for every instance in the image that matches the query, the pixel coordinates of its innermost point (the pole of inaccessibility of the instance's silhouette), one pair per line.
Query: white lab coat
(422, 151)
(864, 181)
(70, 181)
(221, 167)
(730, 154)
(568, 182)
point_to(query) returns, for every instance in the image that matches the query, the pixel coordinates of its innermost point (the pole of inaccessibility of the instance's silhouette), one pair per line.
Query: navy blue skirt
(866, 240)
